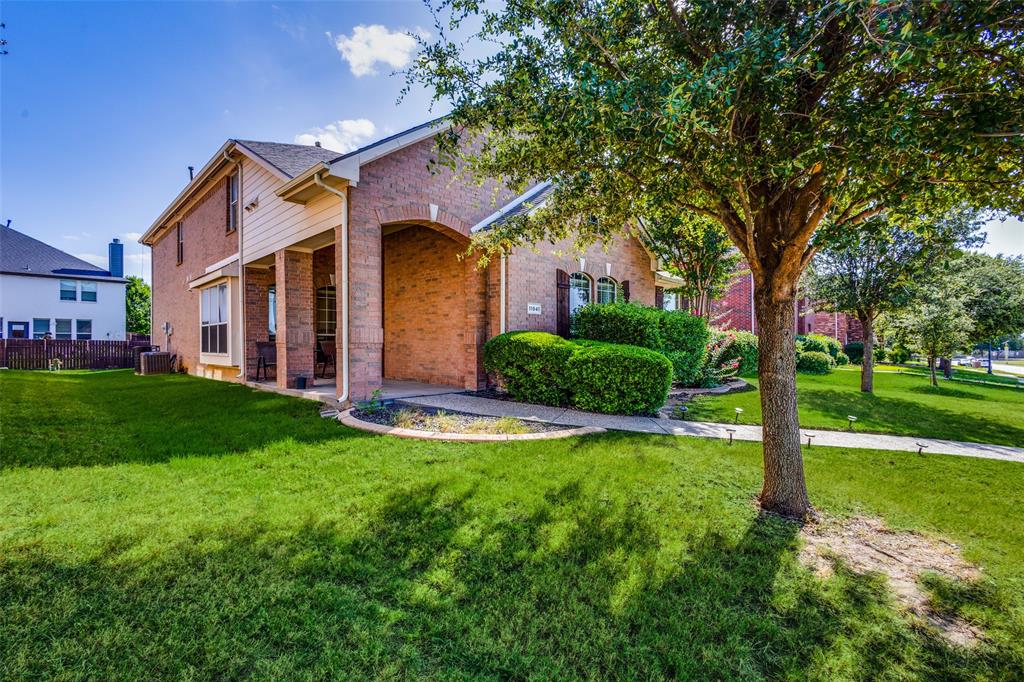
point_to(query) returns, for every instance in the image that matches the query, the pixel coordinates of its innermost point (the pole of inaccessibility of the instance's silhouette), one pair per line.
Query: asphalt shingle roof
(522, 204)
(290, 159)
(24, 255)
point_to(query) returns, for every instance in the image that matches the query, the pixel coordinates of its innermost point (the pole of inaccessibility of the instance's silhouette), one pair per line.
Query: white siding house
(44, 290)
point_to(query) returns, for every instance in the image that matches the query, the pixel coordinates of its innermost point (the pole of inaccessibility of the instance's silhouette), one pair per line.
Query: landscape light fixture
(851, 419)
(809, 437)
(739, 411)
(920, 447)
(731, 431)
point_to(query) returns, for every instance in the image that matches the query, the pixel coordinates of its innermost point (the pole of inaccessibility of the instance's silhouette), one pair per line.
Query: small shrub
(717, 369)
(814, 362)
(878, 353)
(624, 323)
(618, 379)
(898, 355)
(842, 359)
(820, 343)
(742, 349)
(531, 365)
(855, 351)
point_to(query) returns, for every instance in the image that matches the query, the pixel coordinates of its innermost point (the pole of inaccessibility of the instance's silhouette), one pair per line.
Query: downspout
(244, 341)
(502, 298)
(343, 195)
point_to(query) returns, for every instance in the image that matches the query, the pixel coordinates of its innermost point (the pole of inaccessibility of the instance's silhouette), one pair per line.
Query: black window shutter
(562, 303)
(625, 290)
(659, 297)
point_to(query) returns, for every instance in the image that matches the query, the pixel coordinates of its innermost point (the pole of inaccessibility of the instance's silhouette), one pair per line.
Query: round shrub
(855, 351)
(898, 355)
(814, 362)
(618, 323)
(842, 359)
(878, 354)
(685, 338)
(531, 365)
(743, 349)
(821, 343)
(618, 379)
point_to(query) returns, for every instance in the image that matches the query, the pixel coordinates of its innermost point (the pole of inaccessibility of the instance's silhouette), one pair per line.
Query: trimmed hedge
(531, 365)
(543, 368)
(855, 351)
(820, 343)
(814, 362)
(623, 323)
(618, 379)
(842, 359)
(681, 337)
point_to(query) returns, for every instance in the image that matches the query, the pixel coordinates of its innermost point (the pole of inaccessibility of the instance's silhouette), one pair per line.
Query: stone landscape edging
(348, 419)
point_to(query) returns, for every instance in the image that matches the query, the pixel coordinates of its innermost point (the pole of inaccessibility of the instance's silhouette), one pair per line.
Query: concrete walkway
(558, 415)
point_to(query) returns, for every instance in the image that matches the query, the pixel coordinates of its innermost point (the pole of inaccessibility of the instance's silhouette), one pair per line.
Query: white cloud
(97, 260)
(130, 236)
(340, 136)
(71, 237)
(376, 43)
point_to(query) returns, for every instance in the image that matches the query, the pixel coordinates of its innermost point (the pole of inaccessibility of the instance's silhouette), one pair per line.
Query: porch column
(257, 303)
(296, 336)
(475, 334)
(366, 301)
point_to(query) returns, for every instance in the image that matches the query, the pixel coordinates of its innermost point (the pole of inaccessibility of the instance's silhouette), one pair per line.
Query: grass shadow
(575, 588)
(103, 418)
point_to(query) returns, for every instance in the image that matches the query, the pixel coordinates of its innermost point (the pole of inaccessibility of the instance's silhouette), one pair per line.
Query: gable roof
(524, 203)
(24, 255)
(290, 159)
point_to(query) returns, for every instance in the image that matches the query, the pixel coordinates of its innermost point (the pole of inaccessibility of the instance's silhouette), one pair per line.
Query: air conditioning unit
(155, 363)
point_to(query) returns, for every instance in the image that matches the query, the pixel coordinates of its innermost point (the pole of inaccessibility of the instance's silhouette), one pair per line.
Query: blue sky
(104, 105)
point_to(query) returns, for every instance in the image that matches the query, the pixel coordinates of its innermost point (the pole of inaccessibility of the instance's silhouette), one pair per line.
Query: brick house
(361, 256)
(735, 310)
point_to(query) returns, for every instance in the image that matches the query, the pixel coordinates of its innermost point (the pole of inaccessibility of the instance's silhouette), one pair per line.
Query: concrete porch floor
(325, 390)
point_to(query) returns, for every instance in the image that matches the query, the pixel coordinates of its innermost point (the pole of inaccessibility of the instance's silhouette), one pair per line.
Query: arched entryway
(433, 305)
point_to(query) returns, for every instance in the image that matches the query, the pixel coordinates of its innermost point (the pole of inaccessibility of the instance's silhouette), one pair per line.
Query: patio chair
(266, 356)
(325, 356)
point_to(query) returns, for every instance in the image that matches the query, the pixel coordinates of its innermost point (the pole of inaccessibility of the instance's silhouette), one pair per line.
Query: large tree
(877, 268)
(138, 301)
(695, 249)
(767, 116)
(937, 324)
(996, 298)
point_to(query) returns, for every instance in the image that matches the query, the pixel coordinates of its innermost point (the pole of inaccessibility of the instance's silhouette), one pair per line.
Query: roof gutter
(343, 195)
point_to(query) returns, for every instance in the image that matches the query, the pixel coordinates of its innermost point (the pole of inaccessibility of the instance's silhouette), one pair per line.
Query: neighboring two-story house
(47, 293)
(363, 253)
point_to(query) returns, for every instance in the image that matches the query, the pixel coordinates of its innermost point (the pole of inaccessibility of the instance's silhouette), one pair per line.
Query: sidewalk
(674, 427)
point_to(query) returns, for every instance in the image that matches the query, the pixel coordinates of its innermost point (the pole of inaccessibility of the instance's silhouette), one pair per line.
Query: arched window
(326, 313)
(579, 291)
(607, 290)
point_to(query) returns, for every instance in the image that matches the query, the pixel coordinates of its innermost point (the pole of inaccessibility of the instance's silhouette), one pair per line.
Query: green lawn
(959, 373)
(171, 527)
(905, 404)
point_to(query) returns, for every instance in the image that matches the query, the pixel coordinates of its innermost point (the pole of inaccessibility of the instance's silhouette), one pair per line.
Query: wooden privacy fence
(37, 353)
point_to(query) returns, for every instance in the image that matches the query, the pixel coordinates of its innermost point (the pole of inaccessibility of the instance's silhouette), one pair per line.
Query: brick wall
(425, 298)
(206, 243)
(257, 313)
(531, 277)
(734, 310)
(401, 179)
(296, 336)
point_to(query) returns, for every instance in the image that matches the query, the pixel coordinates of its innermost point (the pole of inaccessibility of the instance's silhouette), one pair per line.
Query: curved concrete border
(348, 419)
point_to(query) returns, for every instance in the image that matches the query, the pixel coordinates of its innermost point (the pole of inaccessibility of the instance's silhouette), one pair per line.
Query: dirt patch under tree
(866, 545)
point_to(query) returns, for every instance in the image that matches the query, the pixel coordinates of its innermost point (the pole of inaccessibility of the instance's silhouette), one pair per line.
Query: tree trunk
(867, 364)
(931, 369)
(784, 491)
(947, 367)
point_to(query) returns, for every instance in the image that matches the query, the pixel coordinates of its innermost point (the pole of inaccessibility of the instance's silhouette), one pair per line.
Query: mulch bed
(463, 421)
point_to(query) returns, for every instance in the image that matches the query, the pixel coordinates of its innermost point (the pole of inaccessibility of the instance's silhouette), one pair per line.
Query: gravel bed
(460, 422)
